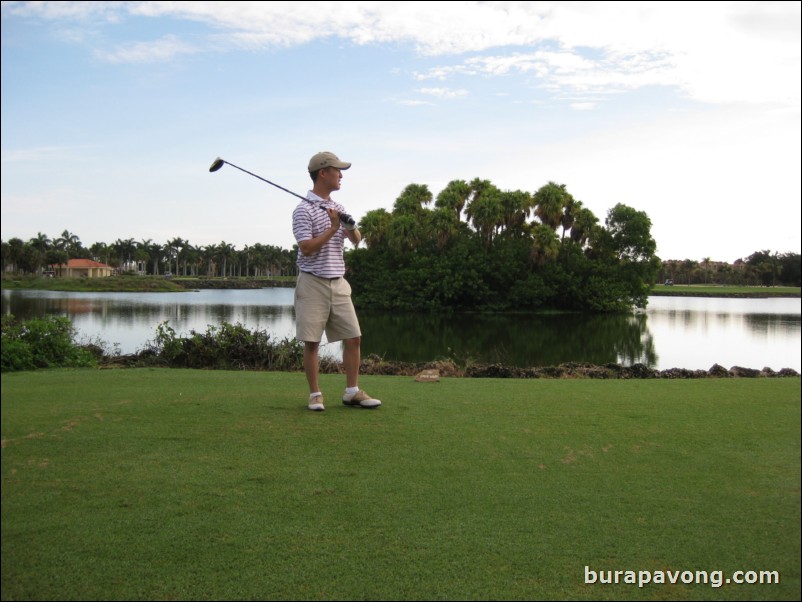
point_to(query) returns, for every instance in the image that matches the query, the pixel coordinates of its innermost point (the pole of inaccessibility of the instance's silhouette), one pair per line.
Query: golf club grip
(345, 218)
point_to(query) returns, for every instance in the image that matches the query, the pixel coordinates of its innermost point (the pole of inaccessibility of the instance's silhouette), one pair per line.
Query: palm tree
(486, 215)
(41, 242)
(100, 251)
(412, 199)
(152, 252)
(125, 249)
(402, 233)
(571, 208)
(485, 209)
(373, 226)
(545, 245)
(454, 196)
(15, 250)
(208, 255)
(172, 249)
(192, 258)
(445, 225)
(584, 222)
(259, 259)
(70, 243)
(225, 252)
(515, 206)
(550, 201)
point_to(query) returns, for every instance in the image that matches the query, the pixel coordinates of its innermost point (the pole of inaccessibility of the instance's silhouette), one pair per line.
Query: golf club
(346, 219)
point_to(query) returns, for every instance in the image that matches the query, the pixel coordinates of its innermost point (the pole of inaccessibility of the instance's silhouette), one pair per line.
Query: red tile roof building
(86, 268)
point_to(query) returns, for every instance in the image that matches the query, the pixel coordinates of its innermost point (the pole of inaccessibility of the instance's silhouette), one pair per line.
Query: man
(322, 295)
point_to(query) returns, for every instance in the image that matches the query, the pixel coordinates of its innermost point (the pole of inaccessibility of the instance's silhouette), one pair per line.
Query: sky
(112, 113)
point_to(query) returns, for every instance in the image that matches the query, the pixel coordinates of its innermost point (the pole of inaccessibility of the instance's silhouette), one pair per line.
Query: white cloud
(716, 52)
(109, 11)
(41, 153)
(414, 103)
(443, 92)
(160, 50)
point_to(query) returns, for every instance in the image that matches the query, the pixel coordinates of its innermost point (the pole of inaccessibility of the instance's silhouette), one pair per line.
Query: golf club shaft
(263, 180)
(344, 217)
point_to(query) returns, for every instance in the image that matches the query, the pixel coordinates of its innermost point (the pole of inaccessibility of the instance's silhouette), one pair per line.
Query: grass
(112, 284)
(699, 290)
(179, 484)
(138, 284)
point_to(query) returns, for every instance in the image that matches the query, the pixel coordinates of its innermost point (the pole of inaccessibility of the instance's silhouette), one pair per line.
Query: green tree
(454, 197)
(41, 242)
(16, 247)
(445, 224)
(550, 202)
(412, 199)
(515, 208)
(125, 250)
(583, 223)
(766, 266)
(790, 269)
(225, 253)
(71, 243)
(149, 251)
(31, 259)
(403, 233)
(101, 252)
(374, 226)
(545, 245)
(485, 211)
(631, 233)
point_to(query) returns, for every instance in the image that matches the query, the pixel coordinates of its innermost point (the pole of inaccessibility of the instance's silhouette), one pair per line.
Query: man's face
(331, 177)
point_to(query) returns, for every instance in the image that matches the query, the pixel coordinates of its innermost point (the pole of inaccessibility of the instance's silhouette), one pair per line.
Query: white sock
(315, 394)
(351, 391)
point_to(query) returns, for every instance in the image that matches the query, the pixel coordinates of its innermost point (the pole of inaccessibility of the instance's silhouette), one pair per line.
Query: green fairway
(702, 290)
(204, 485)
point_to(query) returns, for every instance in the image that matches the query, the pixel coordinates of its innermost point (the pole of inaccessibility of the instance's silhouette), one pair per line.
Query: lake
(673, 332)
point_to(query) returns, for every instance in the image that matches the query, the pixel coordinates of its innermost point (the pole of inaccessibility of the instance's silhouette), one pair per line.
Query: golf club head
(218, 163)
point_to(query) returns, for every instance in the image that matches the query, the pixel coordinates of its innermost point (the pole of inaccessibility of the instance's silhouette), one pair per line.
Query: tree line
(473, 247)
(761, 268)
(177, 256)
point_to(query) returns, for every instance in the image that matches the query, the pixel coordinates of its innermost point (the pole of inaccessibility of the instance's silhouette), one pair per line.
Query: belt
(321, 277)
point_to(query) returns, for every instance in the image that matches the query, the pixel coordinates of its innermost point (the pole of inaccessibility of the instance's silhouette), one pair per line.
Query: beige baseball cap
(326, 159)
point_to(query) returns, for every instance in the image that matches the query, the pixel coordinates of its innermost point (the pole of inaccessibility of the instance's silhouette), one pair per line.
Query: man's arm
(354, 235)
(313, 245)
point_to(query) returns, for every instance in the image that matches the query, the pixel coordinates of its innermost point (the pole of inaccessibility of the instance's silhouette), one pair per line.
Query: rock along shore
(375, 365)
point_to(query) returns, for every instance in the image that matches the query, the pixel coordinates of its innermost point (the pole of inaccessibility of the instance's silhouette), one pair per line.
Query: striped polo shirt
(310, 221)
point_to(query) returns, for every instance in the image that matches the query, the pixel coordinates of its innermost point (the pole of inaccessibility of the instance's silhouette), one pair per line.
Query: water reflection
(755, 333)
(522, 340)
(130, 320)
(672, 332)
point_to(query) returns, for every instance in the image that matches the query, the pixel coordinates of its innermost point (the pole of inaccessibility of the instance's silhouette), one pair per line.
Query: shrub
(226, 347)
(41, 343)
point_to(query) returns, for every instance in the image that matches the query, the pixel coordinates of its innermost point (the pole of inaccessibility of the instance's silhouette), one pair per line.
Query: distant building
(83, 268)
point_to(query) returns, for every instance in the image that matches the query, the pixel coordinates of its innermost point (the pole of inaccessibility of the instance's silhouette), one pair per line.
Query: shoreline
(375, 366)
(157, 284)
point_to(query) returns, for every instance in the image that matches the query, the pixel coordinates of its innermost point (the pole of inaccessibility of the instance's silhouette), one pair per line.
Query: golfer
(322, 295)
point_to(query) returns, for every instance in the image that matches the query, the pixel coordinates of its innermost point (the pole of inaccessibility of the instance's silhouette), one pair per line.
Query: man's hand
(334, 216)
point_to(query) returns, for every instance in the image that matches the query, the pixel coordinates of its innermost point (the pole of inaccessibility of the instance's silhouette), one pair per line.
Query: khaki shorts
(324, 305)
